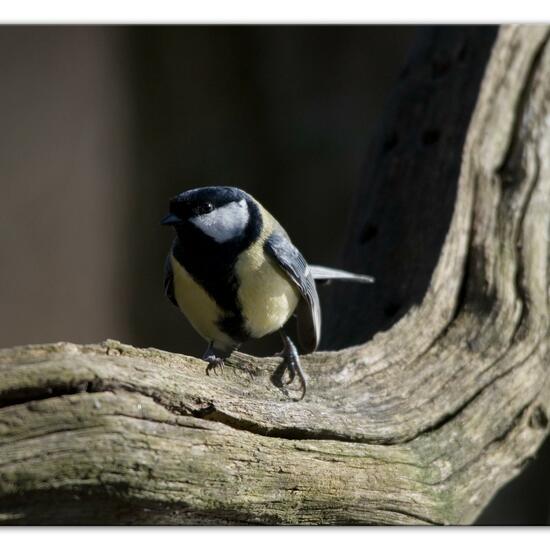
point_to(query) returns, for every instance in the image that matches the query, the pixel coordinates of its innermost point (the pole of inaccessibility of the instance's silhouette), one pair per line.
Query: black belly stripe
(212, 264)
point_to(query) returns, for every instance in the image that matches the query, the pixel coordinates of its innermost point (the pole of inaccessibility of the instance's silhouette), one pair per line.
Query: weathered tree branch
(422, 424)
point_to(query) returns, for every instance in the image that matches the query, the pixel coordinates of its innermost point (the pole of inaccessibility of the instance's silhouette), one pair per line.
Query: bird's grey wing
(279, 247)
(169, 281)
(326, 274)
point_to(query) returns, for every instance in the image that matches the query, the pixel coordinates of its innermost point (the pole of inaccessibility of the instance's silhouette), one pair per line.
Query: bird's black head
(215, 214)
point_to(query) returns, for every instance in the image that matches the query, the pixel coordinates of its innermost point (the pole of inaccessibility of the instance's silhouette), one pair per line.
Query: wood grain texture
(420, 425)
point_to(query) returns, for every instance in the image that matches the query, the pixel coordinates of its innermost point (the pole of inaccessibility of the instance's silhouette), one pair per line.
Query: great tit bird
(234, 273)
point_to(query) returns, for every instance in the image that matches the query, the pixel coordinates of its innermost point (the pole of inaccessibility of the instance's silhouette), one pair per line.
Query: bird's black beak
(170, 219)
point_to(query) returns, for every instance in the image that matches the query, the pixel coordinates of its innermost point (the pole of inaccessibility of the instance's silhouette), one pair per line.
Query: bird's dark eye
(204, 208)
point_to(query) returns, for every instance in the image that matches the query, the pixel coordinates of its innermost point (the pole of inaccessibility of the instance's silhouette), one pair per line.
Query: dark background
(101, 125)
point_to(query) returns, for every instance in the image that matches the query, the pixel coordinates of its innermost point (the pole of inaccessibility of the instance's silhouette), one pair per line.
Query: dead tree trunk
(421, 424)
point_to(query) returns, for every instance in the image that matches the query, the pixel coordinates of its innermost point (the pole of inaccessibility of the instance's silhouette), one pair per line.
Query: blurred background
(102, 125)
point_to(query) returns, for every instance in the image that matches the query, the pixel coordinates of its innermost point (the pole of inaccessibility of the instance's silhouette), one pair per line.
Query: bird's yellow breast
(267, 296)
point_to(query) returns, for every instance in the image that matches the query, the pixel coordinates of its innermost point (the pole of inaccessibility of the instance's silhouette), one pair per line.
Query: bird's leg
(291, 362)
(214, 358)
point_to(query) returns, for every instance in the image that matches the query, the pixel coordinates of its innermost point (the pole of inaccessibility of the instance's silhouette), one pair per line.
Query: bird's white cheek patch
(224, 223)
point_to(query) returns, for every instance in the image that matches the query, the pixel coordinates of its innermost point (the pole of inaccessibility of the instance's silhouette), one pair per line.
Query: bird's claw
(291, 363)
(294, 369)
(216, 365)
(291, 371)
(213, 365)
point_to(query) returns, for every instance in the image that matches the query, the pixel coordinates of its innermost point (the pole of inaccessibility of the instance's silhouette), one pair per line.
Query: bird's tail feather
(326, 274)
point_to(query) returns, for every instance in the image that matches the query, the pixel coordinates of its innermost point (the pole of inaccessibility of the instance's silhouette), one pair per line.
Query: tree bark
(422, 424)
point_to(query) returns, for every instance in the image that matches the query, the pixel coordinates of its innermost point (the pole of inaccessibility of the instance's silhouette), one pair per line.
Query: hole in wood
(369, 232)
(440, 66)
(539, 418)
(462, 53)
(429, 137)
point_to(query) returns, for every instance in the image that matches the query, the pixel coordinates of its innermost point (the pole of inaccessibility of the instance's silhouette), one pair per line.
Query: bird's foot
(291, 364)
(215, 360)
(287, 368)
(214, 363)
